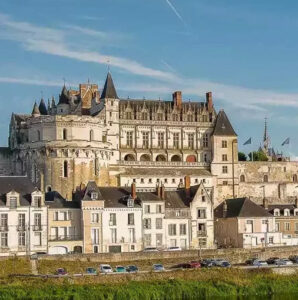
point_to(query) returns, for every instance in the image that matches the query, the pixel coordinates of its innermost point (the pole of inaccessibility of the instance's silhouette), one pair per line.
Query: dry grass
(15, 266)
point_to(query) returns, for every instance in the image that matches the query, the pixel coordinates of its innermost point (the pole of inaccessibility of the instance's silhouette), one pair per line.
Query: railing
(21, 228)
(201, 233)
(36, 227)
(163, 163)
(65, 237)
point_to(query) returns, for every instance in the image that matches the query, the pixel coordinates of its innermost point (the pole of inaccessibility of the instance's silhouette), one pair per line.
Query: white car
(260, 263)
(283, 262)
(105, 269)
(174, 249)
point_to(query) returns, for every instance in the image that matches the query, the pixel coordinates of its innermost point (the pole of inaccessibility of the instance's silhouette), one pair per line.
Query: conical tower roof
(42, 107)
(109, 90)
(223, 126)
(64, 99)
(35, 110)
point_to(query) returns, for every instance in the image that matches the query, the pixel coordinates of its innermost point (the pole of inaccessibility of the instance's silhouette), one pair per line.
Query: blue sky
(245, 52)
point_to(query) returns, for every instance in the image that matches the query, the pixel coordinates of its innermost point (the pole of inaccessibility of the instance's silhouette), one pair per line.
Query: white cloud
(30, 81)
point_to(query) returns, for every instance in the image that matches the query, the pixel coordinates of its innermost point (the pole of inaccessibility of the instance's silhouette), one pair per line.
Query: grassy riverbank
(197, 284)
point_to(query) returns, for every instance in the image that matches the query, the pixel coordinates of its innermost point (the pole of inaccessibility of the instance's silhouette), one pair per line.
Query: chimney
(187, 186)
(209, 101)
(133, 191)
(177, 98)
(225, 210)
(265, 203)
(158, 191)
(41, 182)
(163, 192)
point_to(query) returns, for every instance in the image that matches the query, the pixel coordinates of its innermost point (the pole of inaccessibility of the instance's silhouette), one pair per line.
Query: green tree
(258, 156)
(242, 156)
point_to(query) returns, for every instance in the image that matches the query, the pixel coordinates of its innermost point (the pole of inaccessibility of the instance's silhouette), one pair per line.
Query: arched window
(294, 178)
(64, 134)
(38, 135)
(129, 157)
(160, 157)
(242, 178)
(91, 135)
(145, 157)
(175, 158)
(265, 178)
(65, 169)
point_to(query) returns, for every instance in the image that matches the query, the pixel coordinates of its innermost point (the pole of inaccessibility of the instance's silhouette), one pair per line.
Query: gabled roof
(109, 90)
(223, 126)
(20, 184)
(42, 107)
(241, 207)
(92, 187)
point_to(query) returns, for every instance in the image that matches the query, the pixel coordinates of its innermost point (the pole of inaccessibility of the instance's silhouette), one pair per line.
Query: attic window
(94, 196)
(13, 202)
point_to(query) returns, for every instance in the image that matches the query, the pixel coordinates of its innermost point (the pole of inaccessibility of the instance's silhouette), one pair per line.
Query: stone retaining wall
(233, 255)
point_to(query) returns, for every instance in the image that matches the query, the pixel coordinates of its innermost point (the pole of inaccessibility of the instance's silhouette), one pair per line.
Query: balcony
(163, 163)
(56, 238)
(21, 228)
(201, 233)
(36, 228)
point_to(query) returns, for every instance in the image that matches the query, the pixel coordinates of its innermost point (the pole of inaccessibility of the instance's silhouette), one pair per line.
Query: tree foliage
(258, 156)
(242, 156)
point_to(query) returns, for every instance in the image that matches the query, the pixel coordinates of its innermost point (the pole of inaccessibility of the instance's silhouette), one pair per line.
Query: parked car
(132, 269)
(294, 259)
(103, 268)
(91, 271)
(181, 266)
(224, 264)
(207, 263)
(283, 262)
(158, 267)
(195, 264)
(173, 249)
(61, 272)
(150, 249)
(250, 261)
(272, 260)
(218, 261)
(120, 269)
(260, 263)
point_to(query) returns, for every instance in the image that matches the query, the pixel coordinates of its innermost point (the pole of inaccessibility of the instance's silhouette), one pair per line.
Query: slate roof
(109, 90)
(281, 207)
(35, 110)
(241, 207)
(64, 98)
(20, 184)
(55, 200)
(42, 107)
(92, 187)
(223, 126)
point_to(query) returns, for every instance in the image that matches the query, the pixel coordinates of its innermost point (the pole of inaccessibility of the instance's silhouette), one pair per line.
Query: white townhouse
(23, 217)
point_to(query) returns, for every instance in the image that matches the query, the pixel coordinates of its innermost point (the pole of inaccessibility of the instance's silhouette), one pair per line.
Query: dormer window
(13, 202)
(94, 196)
(276, 213)
(36, 201)
(286, 212)
(130, 202)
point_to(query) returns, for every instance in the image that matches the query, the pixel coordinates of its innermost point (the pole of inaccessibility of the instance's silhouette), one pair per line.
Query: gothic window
(242, 178)
(191, 141)
(129, 115)
(65, 169)
(160, 140)
(144, 116)
(159, 117)
(205, 140)
(294, 178)
(129, 139)
(64, 134)
(175, 117)
(176, 140)
(145, 139)
(91, 135)
(38, 135)
(204, 118)
(265, 178)
(189, 118)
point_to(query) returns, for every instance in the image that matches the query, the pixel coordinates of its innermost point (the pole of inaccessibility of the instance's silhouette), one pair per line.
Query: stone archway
(160, 157)
(191, 158)
(77, 249)
(129, 157)
(145, 157)
(176, 158)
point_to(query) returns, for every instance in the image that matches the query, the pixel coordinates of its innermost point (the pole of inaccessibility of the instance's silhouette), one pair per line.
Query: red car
(195, 264)
(61, 272)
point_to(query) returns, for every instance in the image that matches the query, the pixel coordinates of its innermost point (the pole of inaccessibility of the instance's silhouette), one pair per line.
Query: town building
(23, 217)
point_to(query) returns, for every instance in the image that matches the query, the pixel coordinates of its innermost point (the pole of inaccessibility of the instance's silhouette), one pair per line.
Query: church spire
(266, 137)
(109, 90)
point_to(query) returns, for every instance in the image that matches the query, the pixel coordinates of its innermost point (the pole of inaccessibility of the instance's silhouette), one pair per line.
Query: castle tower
(224, 157)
